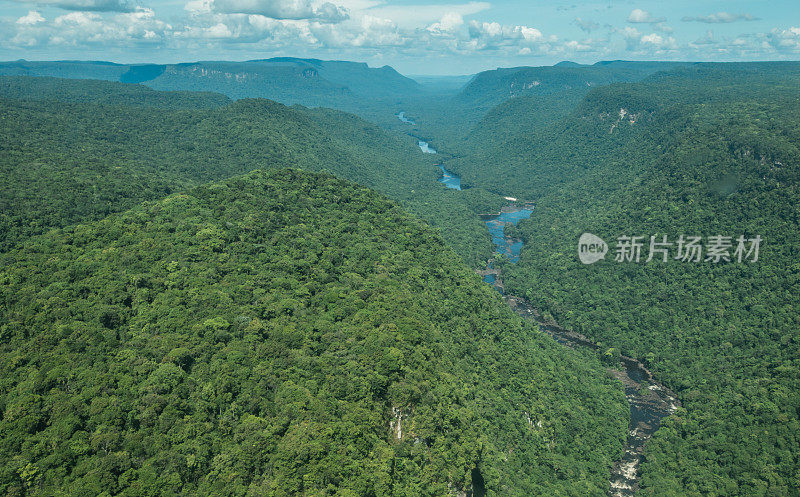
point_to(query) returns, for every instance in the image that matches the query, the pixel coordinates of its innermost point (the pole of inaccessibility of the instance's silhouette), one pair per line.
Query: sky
(416, 37)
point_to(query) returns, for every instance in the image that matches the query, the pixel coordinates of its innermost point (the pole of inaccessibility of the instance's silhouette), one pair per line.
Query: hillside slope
(451, 122)
(531, 145)
(104, 92)
(491, 88)
(702, 151)
(310, 82)
(92, 153)
(282, 333)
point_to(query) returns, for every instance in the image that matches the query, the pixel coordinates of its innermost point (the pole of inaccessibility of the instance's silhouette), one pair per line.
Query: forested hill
(455, 122)
(700, 151)
(107, 71)
(104, 92)
(282, 333)
(103, 147)
(491, 88)
(530, 145)
(311, 82)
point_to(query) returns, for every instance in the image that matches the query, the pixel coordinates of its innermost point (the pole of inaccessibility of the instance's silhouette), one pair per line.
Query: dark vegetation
(105, 92)
(74, 154)
(263, 336)
(449, 121)
(709, 149)
(235, 341)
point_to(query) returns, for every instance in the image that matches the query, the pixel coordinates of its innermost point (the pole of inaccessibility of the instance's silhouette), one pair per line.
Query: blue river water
(495, 224)
(450, 180)
(427, 149)
(402, 117)
(646, 409)
(511, 248)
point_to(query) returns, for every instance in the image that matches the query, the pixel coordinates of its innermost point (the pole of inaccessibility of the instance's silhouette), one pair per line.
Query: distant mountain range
(490, 88)
(288, 80)
(339, 84)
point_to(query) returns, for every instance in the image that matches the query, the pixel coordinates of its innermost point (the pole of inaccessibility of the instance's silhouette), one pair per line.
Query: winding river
(649, 401)
(402, 117)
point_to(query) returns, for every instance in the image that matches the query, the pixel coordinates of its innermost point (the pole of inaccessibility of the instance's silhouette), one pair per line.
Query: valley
(305, 277)
(649, 400)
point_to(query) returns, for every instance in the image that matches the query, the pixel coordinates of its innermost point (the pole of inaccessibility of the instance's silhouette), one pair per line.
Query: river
(649, 401)
(402, 117)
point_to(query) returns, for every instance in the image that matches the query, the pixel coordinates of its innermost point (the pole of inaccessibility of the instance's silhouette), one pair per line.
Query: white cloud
(218, 30)
(502, 38)
(276, 9)
(377, 32)
(328, 12)
(32, 18)
(650, 43)
(630, 32)
(304, 27)
(503, 33)
(644, 17)
(77, 19)
(529, 34)
(79, 29)
(449, 23)
(419, 16)
(577, 46)
(86, 5)
(368, 32)
(720, 18)
(785, 40)
(359, 4)
(652, 39)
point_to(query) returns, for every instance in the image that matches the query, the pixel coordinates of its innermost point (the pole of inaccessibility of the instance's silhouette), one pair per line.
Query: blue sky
(414, 36)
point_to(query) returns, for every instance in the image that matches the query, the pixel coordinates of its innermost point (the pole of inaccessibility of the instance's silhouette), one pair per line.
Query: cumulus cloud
(506, 38)
(785, 40)
(228, 29)
(368, 32)
(643, 17)
(653, 39)
(276, 9)
(329, 12)
(578, 46)
(631, 36)
(721, 18)
(86, 5)
(650, 43)
(363, 28)
(231, 29)
(415, 16)
(449, 23)
(32, 18)
(79, 29)
(503, 34)
(287, 25)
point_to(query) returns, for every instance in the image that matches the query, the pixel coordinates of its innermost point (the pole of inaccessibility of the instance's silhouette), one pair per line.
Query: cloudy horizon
(415, 37)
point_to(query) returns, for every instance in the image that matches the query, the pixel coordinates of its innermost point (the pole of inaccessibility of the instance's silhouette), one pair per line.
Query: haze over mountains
(288, 80)
(336, 84)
